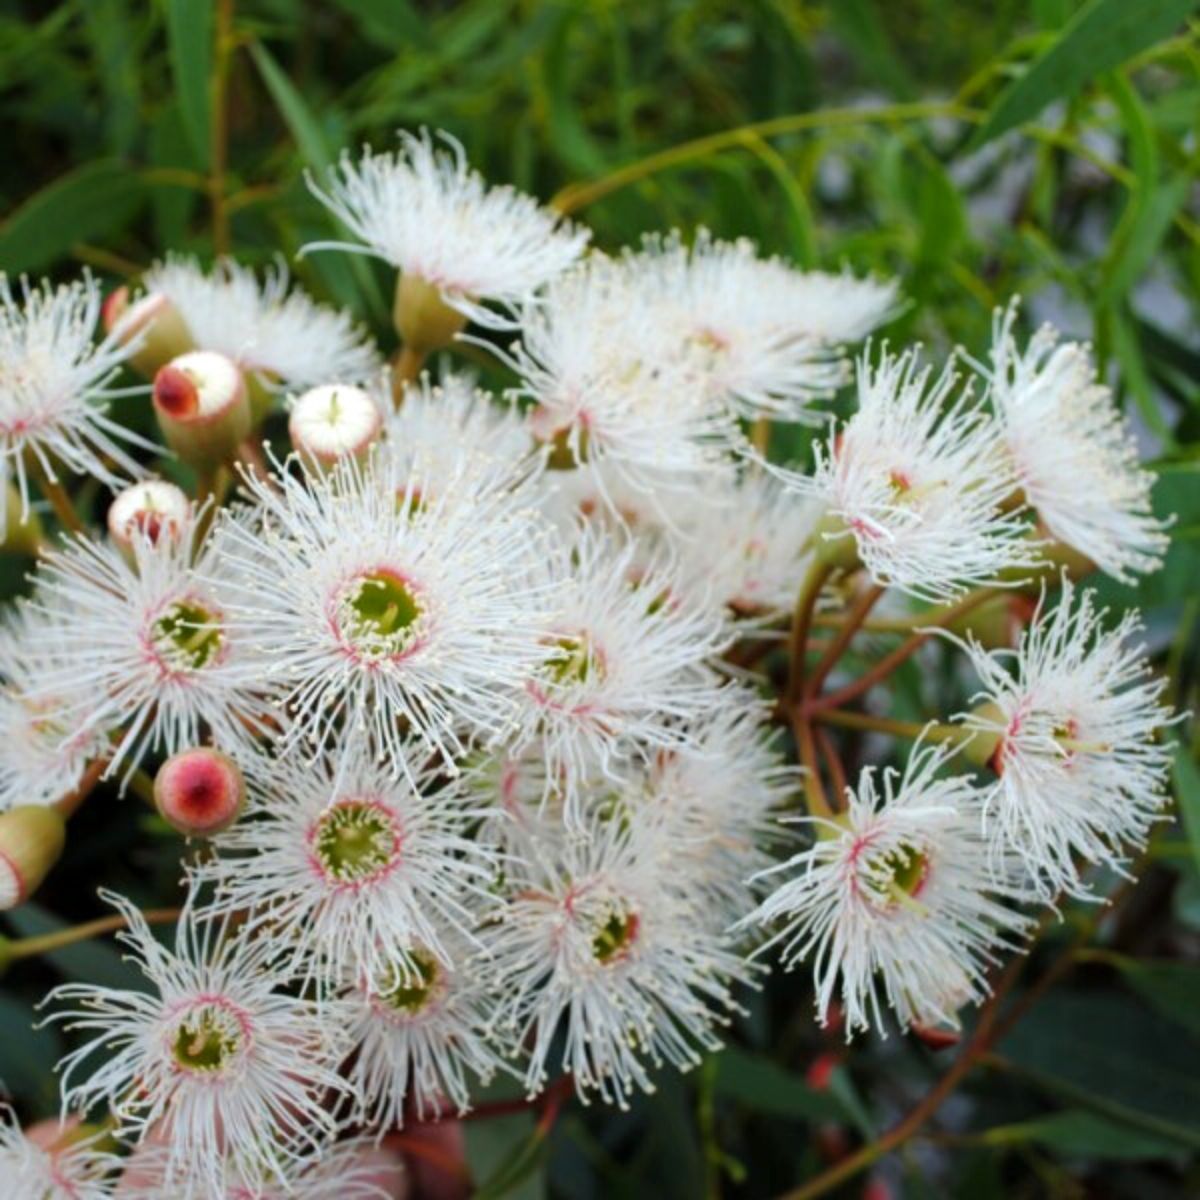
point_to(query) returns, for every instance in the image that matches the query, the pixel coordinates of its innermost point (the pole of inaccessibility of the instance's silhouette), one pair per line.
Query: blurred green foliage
(1037, 147)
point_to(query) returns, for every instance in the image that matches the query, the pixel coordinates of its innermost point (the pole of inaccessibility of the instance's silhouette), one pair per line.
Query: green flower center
(381, 614)
(355, 840)
(615, 936)
(897, 876)
(208, 1039)
(188, 636)
(572, 660)
(410, 995)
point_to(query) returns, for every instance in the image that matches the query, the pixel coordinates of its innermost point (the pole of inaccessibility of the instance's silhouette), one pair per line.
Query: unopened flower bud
(199, 792)
(153, 510)
(31, 841)
(333, 422)
(164, 334)
(22, 529)
(422, 318)
(202, 408)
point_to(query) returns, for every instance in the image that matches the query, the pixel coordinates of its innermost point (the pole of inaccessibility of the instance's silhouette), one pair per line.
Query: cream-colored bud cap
(334, 421)
(151, 509)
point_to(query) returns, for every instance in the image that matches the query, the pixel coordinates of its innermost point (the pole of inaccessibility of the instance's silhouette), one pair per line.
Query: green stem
(806, 602)
(842, 639)
(44, 943)
(931, 731)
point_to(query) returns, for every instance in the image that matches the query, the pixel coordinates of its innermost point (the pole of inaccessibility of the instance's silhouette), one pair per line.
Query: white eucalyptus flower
(1073, 712)
(440, 427)
(609, 384)
(425, 211)
(919, 481)
(419, 1037)
(230, 1069)
(896, 900)
(45, 744)
(625, 664)
(349, 1170)
(374, 608)
(341, 861)
(148, 648)
(55, 388)
(73, 1169)
(272, 330)
(759, 335)
(1075, 456)
(594, 947)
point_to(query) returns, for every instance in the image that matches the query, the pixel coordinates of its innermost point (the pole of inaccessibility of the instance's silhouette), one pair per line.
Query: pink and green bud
(202, 407)
(199, 792)
(31, 842)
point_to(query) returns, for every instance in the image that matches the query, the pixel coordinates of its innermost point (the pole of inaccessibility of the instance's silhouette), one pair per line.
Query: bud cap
(151, 508)
(199, 792)
(333, 421)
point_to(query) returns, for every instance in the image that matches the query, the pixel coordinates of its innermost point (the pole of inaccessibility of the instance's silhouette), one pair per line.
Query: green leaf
(859, 23)
(190, 43)
(1186, 775)
(27, 1054)
(1108, 1053)
(85, 203)
(1171, 987)
(764, 1086)
(388, 23)
(110, 31)
(96, 961)
(1083, 1133)
(292, 107)
(1102, 35)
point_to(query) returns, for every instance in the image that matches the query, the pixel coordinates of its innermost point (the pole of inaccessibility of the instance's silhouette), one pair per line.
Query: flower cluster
(461, 690)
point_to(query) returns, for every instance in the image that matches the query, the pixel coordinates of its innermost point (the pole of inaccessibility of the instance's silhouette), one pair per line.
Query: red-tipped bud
(820, 1071)
(31, 841)
(938, 1037)
(151, 510)
(154, 321)
(199, 792)
(200, 400)
(333, 422)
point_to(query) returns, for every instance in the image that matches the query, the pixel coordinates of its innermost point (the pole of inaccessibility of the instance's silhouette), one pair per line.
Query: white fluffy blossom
(759, 335)
(344, 864)
(74, 1169)
(375, 609)
(425, 211)
(55, 388)
(227, 1067)
(271, 329)
(624, 663)
(419, 1039)
(895, 900)
(440, 427)
(919, 481)
(609, 384)
(1075, 710)
(148, 648)
(1075, 457)
(44, 744)
(598, 945)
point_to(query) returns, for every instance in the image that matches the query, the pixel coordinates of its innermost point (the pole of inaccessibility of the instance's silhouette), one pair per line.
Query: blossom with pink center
(597, 944)
(216, 1056)
(1074, 713)
(148, 649)
(346, 864)
(52, 1162)
(414, 621)
(896, 900)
